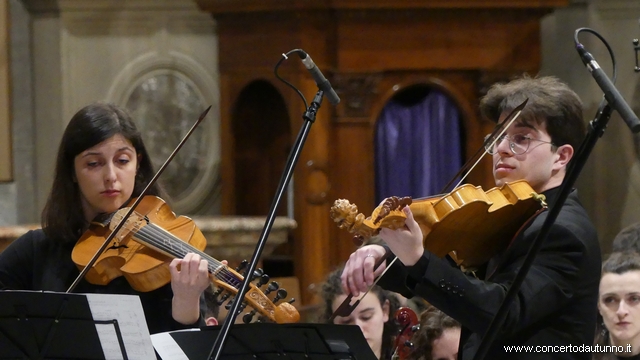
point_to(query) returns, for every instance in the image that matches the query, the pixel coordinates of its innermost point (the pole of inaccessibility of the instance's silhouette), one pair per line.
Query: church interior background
(167, 60)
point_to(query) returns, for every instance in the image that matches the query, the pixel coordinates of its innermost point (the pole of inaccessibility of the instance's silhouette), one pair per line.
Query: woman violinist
(555, 306)
(101, 165)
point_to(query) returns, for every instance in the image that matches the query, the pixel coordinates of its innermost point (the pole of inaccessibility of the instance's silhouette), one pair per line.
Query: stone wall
(158, 58)
(609, 185)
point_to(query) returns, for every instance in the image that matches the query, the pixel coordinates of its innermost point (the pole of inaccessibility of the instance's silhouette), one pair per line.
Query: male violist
(554, 312)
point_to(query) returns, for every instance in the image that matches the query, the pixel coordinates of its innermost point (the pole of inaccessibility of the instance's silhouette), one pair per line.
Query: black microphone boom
(321, 81)
(610, 92)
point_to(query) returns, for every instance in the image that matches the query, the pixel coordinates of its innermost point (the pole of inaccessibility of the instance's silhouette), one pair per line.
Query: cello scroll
(408, 323)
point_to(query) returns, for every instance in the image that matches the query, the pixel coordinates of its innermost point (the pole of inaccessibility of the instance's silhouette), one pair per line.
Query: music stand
(279, 341)
(39, 325)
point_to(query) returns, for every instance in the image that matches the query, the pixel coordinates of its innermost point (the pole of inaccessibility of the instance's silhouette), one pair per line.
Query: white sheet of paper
(127, 309)
(167, 347)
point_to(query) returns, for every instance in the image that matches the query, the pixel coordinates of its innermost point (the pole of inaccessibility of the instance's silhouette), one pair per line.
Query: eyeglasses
(518, 143)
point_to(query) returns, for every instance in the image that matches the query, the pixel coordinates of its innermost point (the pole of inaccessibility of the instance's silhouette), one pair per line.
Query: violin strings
(172, 241)
(168, 244)
(165, 241)
(162, 240)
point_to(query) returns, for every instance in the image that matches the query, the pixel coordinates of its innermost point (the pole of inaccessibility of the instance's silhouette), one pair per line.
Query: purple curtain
(418, 147)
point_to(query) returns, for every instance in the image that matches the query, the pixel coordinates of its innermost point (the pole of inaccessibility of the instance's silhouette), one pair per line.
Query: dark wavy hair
(332, 288)
(616, 263)
(62, 217)
(628, 239)
(433, 323)
(551, 102)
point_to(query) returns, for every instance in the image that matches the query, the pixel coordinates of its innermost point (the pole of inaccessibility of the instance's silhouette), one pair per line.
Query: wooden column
(6, 161)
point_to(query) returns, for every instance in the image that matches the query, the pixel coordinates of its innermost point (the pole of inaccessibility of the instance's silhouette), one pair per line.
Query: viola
(469, 223)
(145, 245)
(408, 323)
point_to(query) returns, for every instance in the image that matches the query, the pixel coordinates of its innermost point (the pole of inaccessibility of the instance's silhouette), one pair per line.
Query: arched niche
(365, 96)
(261, 129)
(419, 134)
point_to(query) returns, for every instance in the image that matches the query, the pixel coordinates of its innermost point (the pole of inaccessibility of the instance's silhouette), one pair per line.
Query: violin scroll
(229, 281)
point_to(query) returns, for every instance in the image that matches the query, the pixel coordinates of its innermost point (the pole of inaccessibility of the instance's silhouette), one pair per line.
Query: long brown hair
(62, 217)
(433, 323)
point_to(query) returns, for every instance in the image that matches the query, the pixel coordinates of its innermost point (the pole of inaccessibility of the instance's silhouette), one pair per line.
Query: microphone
(321, 81)
(610, 92)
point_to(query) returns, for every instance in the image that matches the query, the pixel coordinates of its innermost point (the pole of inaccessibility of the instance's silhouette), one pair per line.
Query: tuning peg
(408, 344)
(280, 294)
(263, 280)
(223, 298)
(241, 307)
(273, 286)
(243, 264)
(291, 301)
(228, 306)
(248, 316)
(358, 239)
(415, 328)
(257, 273)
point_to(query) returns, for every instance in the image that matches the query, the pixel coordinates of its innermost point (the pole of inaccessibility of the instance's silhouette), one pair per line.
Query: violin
(408, 323)
(468, 223)
(145, 245)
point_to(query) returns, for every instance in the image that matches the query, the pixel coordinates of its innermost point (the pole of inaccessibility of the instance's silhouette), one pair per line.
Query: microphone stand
(309, 118)
(596, 130)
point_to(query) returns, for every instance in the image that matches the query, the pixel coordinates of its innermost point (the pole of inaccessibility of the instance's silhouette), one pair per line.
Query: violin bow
(499, 129)
(153, 180)
(346, 308)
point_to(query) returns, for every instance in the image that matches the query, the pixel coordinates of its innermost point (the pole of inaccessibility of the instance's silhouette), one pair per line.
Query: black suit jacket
(556, 304)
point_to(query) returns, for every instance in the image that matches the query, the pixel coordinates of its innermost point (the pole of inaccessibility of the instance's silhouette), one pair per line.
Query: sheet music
(127, 309)
(167, 347)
